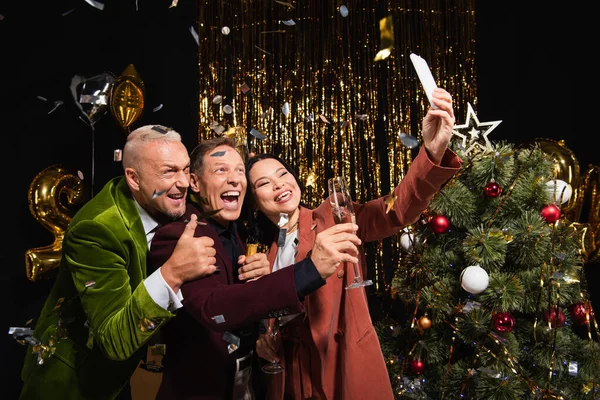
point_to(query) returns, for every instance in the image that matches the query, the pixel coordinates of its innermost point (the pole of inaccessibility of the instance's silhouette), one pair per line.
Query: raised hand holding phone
(425, 76)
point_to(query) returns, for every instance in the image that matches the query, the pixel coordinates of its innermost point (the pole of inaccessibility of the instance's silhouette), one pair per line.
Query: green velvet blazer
(99, 332)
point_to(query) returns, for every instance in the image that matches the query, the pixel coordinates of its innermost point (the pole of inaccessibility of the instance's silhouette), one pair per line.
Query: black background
(532, 71)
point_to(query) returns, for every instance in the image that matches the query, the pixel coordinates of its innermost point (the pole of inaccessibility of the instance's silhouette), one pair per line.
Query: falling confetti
(362, 117)
(174, 3)
(117, 155)
(324, 119)
(344, 11)
(157, 108)
(289, 22)
(408, 140)
(194, 34)
(386, 33)
(257, 134)
(286, 109)
(217, 99)
(244, 88)
(389, 202)
(227, 109)
(225, 30)
(283, 3)
(95, 4)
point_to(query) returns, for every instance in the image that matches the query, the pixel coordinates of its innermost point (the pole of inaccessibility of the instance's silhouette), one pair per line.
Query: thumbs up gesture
(193, 258)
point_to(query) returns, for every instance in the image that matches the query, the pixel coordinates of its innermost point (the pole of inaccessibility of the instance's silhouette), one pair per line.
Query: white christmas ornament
(474, 279)
(559, 192)
(406, 240)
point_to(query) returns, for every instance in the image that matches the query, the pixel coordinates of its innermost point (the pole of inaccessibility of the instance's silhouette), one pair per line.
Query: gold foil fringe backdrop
(316, 93)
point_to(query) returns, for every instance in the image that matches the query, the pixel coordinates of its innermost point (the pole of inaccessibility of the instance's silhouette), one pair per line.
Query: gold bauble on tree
(127, 101)
(424, 322)
(55, 194)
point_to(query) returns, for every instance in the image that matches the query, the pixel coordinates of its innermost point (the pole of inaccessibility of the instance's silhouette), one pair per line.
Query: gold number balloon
(127, 99)
(55, 194)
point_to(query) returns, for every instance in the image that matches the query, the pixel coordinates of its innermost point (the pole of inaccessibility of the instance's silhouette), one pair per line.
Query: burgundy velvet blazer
(197, 364)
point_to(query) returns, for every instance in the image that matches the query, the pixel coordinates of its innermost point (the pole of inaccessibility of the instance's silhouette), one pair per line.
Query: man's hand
(333, 246)
(193, 258)
(266, 347)
(437, 125)
(253, 267)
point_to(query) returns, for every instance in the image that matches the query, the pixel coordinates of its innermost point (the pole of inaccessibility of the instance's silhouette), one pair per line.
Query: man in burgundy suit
(210, 343)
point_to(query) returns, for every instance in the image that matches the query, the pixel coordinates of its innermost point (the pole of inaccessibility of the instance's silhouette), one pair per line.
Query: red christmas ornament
(503, 322)
(578, 312)
(417, 366)
(557, 319)
(439, 223)
(551, 213)
(492, 189)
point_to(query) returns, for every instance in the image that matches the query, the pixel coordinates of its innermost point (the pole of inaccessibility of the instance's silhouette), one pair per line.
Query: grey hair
(140, 137)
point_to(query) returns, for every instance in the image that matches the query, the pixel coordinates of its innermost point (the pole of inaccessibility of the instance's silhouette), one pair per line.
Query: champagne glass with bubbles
(343, 211)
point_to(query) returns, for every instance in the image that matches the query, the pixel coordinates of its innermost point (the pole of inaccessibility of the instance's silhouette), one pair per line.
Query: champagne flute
(343, 211)
(273, 330)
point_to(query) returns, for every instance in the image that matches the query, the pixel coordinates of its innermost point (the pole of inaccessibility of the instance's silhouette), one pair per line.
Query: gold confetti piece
(146, 325)
(264, 51)
(159, 349)
(324, 119)
(59, 303)
(389, 202)
(283, 3)
(311, 179)
(386, 33)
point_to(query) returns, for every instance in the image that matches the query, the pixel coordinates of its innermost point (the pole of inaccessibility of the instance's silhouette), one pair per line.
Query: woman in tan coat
(331, 351)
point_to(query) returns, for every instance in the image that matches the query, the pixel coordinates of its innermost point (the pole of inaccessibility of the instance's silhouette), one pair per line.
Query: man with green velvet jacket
(103, 308)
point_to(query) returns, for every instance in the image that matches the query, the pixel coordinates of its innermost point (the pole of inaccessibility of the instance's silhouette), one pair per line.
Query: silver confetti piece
(286, 109)
(117, 155)
(156, 194)
(257, 134)
(573, 367)
(228, 109)
(225, 30)
(343, 11)
(219, 319)
(289, 22)
(217, 99)
(409, 140)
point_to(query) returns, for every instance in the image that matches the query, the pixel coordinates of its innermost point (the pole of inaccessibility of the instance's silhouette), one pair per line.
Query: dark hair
(260, 227)
(197, 155)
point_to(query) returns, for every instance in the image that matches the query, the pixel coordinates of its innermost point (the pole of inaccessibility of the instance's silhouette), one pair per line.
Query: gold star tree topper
(474, 134)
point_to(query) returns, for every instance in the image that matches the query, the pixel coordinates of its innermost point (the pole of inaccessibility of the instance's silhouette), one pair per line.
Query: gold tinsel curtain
(303, 74)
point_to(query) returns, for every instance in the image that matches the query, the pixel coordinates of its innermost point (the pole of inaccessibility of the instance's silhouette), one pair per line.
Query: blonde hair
(139, 138)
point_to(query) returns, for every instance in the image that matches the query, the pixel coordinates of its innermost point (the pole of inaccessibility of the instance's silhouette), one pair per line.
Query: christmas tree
(491, 295)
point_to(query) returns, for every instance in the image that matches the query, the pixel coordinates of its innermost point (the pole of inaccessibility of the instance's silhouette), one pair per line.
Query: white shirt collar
(148, 222)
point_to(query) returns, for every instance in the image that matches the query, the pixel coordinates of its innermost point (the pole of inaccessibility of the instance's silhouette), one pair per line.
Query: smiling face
(221, 183)
(160, 180)
(274, 188)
